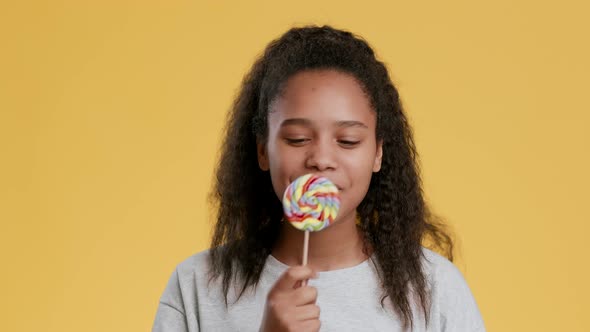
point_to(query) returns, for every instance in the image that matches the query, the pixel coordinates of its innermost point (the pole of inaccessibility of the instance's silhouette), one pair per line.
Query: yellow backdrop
(110, 122)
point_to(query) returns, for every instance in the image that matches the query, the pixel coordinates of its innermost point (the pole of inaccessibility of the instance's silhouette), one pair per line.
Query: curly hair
(393, 216)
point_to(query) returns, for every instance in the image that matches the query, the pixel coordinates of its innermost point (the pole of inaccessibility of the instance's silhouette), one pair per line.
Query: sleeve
(458, 309)
(170, 316)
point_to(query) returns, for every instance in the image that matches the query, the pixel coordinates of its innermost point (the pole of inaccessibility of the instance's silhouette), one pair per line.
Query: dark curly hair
(393, 216)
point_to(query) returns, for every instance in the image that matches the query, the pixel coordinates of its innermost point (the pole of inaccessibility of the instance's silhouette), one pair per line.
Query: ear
(378, 157)
(262, 156)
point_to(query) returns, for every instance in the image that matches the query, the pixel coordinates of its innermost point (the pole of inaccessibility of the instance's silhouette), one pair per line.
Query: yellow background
(110, 120)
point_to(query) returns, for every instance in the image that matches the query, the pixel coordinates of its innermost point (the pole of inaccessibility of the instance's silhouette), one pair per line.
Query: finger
(290, 278)
(310, 311)
(312, 325)
(305, 295)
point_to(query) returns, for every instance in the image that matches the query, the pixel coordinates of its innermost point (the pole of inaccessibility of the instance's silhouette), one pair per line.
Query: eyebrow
(351, 124)
(307, 123)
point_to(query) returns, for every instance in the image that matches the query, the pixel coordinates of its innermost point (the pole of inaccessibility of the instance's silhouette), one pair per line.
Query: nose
(321, 157)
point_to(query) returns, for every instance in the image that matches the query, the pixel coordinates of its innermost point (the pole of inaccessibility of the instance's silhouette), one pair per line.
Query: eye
(296, 141)
(348, 143)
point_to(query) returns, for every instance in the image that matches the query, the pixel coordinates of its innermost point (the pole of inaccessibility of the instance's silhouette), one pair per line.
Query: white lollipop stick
(305, 250)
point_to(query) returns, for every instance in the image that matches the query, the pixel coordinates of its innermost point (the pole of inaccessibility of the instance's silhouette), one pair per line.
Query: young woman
(318, 101)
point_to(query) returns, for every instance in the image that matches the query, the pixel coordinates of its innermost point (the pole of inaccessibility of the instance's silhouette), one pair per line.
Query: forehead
(323, 95)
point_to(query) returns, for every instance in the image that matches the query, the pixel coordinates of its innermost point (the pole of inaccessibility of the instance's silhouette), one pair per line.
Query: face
(323, 124)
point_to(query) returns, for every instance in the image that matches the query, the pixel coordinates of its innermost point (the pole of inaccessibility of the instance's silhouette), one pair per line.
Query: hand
(290, 307)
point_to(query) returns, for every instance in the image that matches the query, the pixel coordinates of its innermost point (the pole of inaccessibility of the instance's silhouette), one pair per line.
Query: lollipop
(311, 203)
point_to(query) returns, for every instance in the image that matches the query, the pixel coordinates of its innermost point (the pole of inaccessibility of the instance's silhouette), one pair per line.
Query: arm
(169, 319)
(459, 310)
(170, 316)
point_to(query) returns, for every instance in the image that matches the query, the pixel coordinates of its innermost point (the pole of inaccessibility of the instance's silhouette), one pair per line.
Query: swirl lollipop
(311, 203)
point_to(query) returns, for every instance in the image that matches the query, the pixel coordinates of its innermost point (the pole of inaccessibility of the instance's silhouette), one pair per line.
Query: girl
(318, 101)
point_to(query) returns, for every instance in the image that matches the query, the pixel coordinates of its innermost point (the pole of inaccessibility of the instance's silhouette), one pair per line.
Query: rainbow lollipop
(311, 203)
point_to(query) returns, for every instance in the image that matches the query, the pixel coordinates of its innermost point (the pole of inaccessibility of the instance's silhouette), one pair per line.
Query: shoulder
(185, 279)
(452, 300)
(440, 268)
(443, 275)
(197, 263)
(193, 267)
(177, 308)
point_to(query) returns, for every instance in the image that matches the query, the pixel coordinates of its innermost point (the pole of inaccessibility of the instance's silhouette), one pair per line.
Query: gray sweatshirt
(349, 300)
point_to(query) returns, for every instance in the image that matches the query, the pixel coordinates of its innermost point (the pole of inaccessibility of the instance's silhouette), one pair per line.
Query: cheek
(360, 164)
(283, 167)
(359, 169)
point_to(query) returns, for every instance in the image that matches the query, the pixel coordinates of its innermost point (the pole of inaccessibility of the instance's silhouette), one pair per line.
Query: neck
(336, 247)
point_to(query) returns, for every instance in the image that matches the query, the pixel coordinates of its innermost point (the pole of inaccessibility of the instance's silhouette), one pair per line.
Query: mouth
(340, 188)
